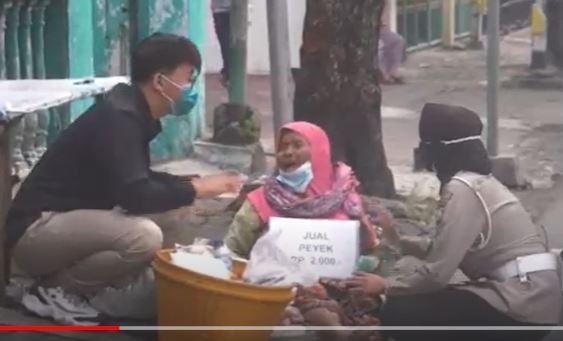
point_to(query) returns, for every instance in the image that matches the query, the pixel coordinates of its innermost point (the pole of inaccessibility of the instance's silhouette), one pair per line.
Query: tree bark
(337, 86)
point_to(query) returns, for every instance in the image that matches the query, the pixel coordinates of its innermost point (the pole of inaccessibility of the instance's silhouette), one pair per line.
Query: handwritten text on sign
(328, 247)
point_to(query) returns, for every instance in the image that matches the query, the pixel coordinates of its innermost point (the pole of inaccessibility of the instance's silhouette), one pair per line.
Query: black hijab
(450, 141)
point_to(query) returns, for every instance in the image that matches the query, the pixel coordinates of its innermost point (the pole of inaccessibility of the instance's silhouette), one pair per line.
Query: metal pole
(280, 69)
(493, 43)
(448, 23)
(239, 31)
(393, 14)
(477, 26)
(539, 60)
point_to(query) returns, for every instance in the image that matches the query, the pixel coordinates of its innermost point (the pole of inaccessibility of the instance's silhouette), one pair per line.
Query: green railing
(22, 56)
(48, 39)
(420, 21)
(464, 10)
(83, 38)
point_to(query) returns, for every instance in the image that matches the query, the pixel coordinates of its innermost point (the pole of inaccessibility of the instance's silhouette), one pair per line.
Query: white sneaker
(135, 301)
(60, 306)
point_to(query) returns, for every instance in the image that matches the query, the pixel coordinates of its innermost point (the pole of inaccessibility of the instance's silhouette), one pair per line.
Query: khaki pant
(83, 251)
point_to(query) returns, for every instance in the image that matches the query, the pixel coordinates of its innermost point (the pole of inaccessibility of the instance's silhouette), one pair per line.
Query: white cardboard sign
(328, 247)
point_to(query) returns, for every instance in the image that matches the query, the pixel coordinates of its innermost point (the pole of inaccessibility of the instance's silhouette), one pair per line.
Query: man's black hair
(162, 52)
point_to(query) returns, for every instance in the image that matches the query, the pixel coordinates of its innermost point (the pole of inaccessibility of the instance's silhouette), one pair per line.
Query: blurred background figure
(391, 50)
(221, 16)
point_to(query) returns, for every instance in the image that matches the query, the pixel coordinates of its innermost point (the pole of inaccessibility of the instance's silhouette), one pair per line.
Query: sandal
(398, 79)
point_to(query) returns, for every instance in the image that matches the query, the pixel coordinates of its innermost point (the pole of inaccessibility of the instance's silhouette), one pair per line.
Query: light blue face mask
(186, 102)
(299, 179)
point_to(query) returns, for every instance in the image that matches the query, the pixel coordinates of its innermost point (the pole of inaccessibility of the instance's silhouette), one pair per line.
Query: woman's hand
(189, 177)
(384, 220)
(215, 185)
(367, 283)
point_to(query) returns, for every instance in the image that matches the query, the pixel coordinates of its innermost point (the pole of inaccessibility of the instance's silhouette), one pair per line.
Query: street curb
(245, 159)
(534, 82)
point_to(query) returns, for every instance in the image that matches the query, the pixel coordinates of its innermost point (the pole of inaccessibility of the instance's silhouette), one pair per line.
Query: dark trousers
(222, 22)
(450, 307)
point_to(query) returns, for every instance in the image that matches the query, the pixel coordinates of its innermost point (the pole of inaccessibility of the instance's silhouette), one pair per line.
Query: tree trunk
(337, 86)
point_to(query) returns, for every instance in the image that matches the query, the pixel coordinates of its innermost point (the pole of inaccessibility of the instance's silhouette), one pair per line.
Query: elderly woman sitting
(308, 186)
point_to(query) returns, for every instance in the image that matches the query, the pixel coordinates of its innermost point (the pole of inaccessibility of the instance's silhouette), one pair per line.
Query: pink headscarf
(324, 175)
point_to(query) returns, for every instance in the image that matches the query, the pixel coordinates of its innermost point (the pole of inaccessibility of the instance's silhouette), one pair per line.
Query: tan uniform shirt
(513, 235)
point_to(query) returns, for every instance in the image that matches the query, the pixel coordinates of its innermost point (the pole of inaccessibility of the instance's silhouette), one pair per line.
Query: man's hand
(367, 283)
(215, 185)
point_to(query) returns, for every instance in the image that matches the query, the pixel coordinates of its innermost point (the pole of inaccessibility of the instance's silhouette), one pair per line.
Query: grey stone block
(419, 162)
(535, 81)
(507, 170)
(246, 159)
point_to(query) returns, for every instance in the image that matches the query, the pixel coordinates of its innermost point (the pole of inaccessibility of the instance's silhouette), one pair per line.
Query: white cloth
(270, 265)
(3, 112)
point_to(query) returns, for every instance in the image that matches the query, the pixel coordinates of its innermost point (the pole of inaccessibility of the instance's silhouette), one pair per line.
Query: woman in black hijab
(486, 233)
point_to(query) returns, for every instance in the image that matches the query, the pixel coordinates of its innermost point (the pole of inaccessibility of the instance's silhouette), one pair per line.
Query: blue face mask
(186, 102)
(299, 179)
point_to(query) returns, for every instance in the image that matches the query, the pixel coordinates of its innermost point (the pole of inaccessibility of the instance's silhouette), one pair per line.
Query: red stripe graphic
(59, 328)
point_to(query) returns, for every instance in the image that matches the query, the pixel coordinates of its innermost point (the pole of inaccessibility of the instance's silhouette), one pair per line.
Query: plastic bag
(204, 247)
(204, 263)
(270, 265)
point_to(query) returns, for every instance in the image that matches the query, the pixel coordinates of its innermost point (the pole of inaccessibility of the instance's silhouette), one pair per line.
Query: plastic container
(367, 263)
(187, 298)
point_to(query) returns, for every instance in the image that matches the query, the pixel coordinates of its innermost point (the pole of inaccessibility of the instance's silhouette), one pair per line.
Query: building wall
(419, 21)
(87, 38)
(120, 24)
(171, 16)
(99, 35)
(80, 47)
(258, 58)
